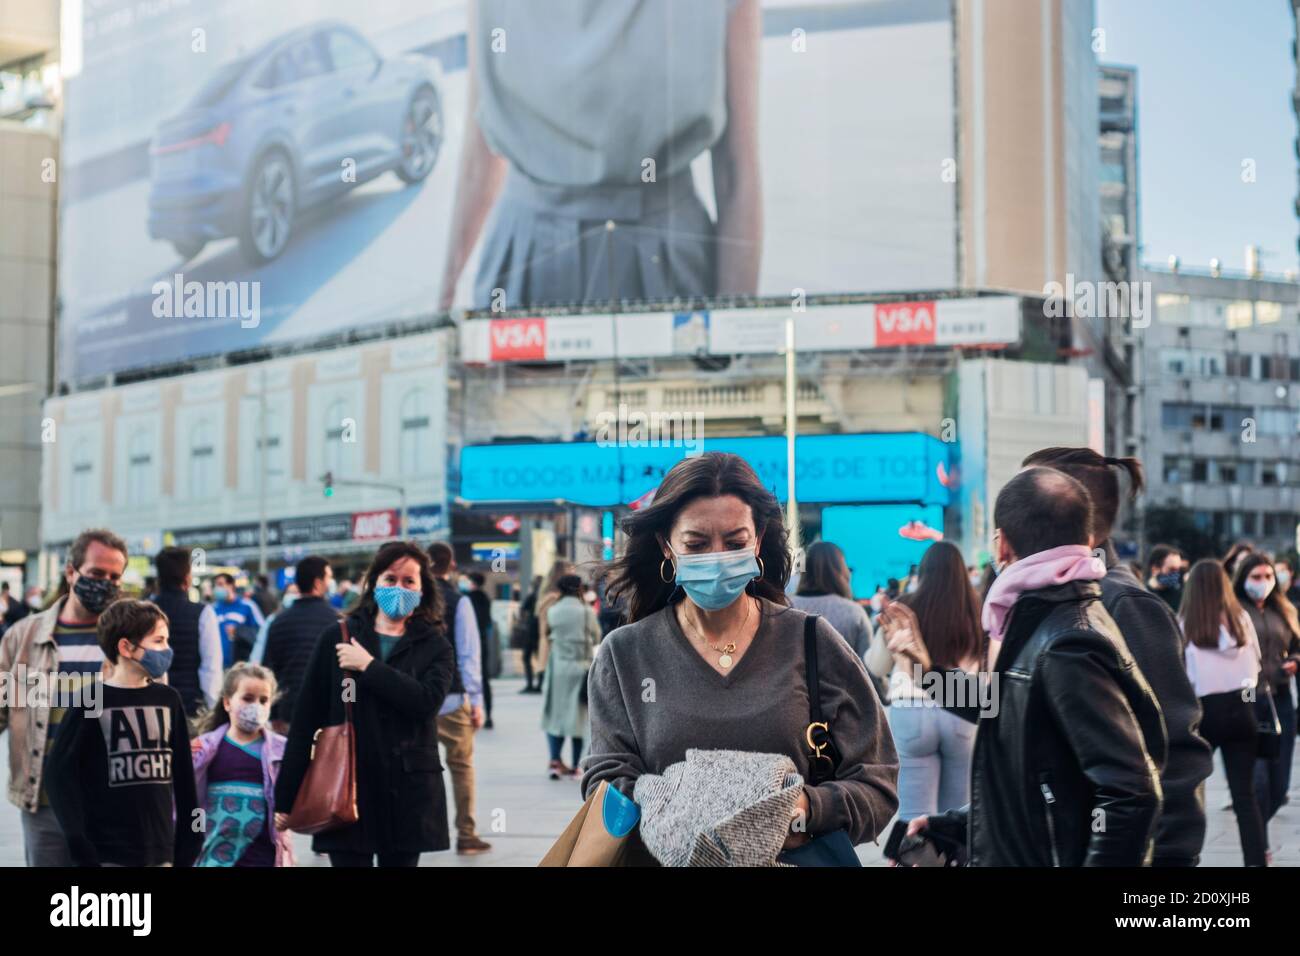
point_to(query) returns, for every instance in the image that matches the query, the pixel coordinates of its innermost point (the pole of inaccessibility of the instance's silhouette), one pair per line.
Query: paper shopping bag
(600, 833)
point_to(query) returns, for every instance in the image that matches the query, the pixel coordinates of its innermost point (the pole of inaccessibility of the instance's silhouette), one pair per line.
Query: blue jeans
(934, 756)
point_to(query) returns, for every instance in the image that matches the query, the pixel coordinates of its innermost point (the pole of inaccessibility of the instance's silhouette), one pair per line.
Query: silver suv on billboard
(306, 117)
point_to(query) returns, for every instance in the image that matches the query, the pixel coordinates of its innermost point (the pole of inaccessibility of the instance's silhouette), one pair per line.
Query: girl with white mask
(236, 763)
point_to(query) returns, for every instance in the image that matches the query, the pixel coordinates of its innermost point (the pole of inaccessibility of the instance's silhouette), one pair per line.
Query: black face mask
(95, 594)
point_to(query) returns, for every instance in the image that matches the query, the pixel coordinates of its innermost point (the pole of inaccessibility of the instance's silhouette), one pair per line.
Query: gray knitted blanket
(719, 808)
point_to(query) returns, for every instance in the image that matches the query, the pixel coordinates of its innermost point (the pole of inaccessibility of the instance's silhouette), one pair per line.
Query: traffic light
(328, 479)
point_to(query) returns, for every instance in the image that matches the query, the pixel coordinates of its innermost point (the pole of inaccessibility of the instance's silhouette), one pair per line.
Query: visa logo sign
(518, 339)
(905, 323)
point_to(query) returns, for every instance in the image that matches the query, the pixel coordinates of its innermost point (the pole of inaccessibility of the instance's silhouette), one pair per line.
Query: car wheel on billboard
(421, 136)
(188, 250)
(269, 205)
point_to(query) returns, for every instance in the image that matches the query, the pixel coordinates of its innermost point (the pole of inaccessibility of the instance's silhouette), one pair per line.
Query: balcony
(740, 405)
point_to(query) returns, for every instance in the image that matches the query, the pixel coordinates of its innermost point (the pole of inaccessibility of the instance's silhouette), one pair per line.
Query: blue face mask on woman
(397, 602)
(714, 580)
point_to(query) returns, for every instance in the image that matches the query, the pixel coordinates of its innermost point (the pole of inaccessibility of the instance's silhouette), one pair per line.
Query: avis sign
(375, 525)
(905, 323)
(518, 339)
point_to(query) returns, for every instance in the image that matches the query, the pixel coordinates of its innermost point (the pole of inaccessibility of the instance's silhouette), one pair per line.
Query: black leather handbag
(834, 848)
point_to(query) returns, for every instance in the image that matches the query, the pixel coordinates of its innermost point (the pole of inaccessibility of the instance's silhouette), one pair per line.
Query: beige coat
(29, 643)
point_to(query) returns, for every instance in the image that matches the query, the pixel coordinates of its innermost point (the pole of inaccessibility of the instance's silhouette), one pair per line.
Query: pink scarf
(1070, 562)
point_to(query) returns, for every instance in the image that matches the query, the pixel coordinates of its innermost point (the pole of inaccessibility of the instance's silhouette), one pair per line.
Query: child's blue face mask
(155, 663)
(714, 580)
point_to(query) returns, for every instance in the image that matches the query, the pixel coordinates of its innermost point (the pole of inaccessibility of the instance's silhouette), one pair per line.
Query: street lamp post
(261, 474)
(791, 386)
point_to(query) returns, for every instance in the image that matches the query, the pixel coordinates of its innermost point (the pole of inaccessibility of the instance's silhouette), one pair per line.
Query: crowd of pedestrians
(998, 713)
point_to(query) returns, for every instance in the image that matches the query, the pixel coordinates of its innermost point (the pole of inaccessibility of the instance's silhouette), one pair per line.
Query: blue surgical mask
(1258, 590)
(155, 663)
(397, 602)
(221, 595)
(714, 580)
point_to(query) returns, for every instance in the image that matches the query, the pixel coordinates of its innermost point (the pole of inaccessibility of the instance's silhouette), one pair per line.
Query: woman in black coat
(397, 670)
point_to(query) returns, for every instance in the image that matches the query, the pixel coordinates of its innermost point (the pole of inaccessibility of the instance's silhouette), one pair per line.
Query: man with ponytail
(1151, 632)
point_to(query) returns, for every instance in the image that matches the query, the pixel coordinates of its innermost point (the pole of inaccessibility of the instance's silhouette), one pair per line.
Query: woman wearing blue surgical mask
(393, 662)
(1276, 624)
(714, 658)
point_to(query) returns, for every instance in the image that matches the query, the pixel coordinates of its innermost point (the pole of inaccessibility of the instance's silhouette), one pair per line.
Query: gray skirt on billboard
(553, 245)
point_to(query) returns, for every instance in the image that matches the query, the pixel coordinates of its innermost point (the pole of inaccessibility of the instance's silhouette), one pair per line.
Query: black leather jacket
(1068, 771)
(1153, 637)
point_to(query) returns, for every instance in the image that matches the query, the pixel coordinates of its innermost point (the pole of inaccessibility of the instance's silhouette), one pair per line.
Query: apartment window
(139, 469)
(1180, 415)
(1249, 522)
(1208, 313)
(203, 454)
(1239, 315)
(268, 451)
(1173, 309)
(1279, 524)
(1226, 417)
(1271, 473)
(1177, 470)
(1238, 364)
(1200, 470)
(1276, 421)
(1175, 361)
(1209, 364)
(80, 494)
(334, 416)
(1266, 313)
(415, 443)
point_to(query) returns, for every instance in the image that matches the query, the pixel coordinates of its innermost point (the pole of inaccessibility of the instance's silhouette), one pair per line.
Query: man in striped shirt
(58, 646)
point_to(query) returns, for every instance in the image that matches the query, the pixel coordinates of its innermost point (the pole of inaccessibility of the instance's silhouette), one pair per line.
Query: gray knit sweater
(652, 697)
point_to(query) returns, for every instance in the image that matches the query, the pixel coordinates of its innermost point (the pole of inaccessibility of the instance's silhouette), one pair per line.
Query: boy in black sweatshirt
(120, 765)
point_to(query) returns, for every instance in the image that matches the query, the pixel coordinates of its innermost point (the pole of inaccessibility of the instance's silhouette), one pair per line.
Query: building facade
(29, 151)
(200, 460)
(1220, 404)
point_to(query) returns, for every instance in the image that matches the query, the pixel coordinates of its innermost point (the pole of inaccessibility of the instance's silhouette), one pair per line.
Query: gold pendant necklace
(726, 650)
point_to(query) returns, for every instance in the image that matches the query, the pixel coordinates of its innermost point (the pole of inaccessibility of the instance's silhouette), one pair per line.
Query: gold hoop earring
(661, 571)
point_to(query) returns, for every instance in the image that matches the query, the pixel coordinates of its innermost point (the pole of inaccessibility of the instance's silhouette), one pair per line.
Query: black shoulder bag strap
(823, 758)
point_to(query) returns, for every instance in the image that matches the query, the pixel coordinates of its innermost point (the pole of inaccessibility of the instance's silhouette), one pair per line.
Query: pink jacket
(272, 754)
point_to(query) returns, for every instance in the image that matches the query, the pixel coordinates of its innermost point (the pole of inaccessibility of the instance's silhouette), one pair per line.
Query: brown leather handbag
(327, 798)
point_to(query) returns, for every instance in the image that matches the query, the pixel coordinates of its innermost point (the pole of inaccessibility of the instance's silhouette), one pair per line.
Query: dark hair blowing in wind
(635, 576)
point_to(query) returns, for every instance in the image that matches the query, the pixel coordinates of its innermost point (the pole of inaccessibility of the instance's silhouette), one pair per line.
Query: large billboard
(239, 173)
(876, 467)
